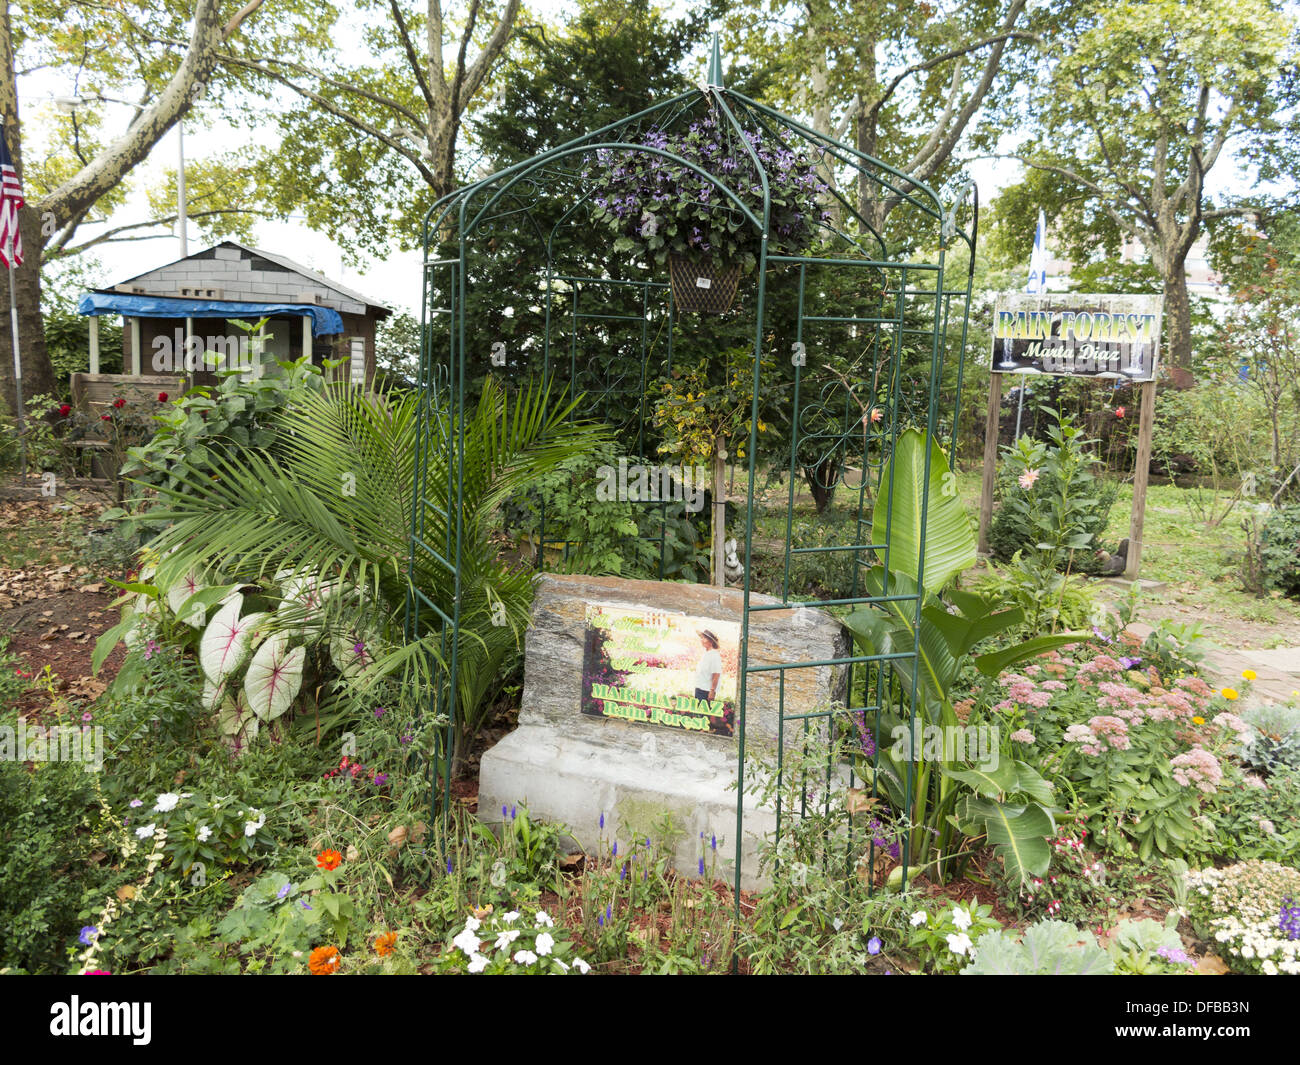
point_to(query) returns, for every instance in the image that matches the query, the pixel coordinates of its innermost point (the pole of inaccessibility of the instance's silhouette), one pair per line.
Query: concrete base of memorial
(571, 768)
(572, 780)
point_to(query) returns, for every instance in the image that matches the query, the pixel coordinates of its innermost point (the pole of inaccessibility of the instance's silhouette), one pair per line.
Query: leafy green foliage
(207, 427)
(572, 521)
(943, 636)
(47, 816)
(1048, 948)
(1279, 551)
(1052, 504)
(332, 501)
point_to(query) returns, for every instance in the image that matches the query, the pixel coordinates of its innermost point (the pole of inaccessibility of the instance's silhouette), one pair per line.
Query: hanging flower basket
(693, 209)
(703, 284)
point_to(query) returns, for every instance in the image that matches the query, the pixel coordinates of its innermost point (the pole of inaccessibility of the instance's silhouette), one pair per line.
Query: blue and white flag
(1037, 285)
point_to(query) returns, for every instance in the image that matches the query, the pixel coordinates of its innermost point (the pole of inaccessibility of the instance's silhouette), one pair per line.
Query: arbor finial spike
(715, 63)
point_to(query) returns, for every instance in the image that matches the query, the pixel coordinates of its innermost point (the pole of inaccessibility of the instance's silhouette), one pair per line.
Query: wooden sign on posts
(1073, 335)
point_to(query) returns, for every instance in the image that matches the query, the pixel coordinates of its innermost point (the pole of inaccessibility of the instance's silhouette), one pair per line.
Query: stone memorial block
(629, 708)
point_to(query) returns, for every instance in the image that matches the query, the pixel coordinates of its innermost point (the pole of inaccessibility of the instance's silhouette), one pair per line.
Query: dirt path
(53, 607)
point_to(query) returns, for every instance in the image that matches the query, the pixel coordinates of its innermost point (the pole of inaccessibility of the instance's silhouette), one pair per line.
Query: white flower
(525, 957)
(251, 827)
(166, 801)
(511, 917)
(563, 968)
(477, 963)
(467, 942)
(144, 832)
(581, 966)
(205, 834)
(544, 919)
(959, 943)
(545, 941)
(919, 918)
(504, 939)
(961, 917)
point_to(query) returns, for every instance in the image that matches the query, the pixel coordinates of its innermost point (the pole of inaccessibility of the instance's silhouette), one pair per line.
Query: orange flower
(328, 859)
(324, 961)
(384, 944)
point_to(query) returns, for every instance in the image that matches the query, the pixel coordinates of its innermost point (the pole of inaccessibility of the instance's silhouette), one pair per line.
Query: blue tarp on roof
(325, 321)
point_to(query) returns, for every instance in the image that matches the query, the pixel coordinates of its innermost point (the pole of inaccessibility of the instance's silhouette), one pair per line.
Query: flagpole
(11, 261)
(18, 376)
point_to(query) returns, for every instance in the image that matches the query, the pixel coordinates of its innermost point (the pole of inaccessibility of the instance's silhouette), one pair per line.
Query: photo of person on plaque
(708, 674)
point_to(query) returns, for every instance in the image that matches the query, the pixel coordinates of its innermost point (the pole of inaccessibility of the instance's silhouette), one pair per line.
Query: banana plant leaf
(898, 519)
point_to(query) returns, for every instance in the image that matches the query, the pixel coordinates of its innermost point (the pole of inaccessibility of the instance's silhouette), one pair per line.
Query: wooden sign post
(1146, 421)
(1068, 334)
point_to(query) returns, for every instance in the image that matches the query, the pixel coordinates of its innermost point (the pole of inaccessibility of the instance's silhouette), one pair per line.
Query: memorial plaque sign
(1078, 335)
(662, 669)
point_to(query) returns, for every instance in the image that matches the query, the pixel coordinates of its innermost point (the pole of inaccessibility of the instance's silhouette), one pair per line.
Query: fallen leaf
(1211, 965)
(857, 801)
(126, 892)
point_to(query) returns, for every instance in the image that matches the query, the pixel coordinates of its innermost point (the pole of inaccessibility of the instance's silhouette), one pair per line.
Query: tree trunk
(821, 481)
(1178, 313)
(38, 374)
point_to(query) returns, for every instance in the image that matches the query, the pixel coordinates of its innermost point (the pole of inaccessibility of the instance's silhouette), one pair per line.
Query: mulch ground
(53, 611)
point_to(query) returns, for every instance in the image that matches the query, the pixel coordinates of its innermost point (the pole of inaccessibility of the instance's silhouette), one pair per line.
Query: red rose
(65, 410)
(105, 417)
(162, 397)
(119, 403)
(1119, 412)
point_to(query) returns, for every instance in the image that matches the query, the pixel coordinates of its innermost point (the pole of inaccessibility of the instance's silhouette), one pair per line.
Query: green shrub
(1051, 501)
(48, 817)
(208, 425)
(1257, 819)
(586, 533)
(1279, 551)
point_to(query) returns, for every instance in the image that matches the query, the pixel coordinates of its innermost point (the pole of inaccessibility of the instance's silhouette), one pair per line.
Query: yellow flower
(1248, 674)
(1229, 693)
(1198, 721)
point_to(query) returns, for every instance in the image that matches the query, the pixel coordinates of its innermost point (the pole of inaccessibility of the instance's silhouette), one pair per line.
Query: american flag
(11, 202)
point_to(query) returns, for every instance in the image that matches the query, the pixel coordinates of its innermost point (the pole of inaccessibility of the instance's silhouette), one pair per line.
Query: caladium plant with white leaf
(252, 641)
(274, 677)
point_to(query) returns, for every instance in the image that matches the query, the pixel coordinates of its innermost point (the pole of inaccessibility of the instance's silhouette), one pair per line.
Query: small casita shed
(177, 312)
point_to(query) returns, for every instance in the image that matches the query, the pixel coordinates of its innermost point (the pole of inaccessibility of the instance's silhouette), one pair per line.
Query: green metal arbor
(607, 330)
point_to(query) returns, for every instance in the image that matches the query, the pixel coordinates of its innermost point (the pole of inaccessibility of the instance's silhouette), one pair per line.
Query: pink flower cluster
(1199, 768)
(1231, 721)
(1022, 691)
(1101, 733)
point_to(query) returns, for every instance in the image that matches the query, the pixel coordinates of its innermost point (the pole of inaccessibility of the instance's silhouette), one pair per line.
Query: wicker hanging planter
(703, 285)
